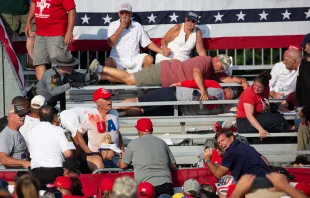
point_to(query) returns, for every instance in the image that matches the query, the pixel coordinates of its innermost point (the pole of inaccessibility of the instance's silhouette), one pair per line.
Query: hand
(243, 186)
(27, 29)
(245, 84)
(26, 164)
(278, 95)
(203, 95)
(68, 38)
(165, 51)
(279, 181)
(178, 84)
(207, 154)
(125, 21)
(76, 84)
(263, 133)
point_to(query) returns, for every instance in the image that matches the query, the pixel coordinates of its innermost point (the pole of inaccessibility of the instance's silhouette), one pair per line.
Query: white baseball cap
(38, 101)
(125, 6)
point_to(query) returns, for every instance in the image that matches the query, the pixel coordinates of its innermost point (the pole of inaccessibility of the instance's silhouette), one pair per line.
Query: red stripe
(10, 51)
(213, 43)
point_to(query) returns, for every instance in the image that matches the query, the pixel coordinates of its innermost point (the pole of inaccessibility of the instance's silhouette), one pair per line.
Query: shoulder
(114, 23)
(113, 112)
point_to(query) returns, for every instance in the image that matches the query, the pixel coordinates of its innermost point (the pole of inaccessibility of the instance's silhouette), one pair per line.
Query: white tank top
(181, 48)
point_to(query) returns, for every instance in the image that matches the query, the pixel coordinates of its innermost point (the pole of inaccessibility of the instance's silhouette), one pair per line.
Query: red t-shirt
(260, 103)
(51, 16)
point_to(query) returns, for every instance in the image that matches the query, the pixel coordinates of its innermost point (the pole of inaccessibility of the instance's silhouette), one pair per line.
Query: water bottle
(281, 90)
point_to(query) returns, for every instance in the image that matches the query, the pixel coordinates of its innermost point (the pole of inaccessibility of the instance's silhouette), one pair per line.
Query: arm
(235, 79)
(200, 83)
(172, 162)
(120, 142)
(112, 40)
(53, 89)
(121, 164)
(152, 46)
(81, 142)
(249, 112)
(217, 170)
(8, 161)
(170, 36)
(199, 43)
(29, 19)
(71, 21)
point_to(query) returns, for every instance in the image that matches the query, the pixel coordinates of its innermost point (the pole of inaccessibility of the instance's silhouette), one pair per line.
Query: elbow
(68, 153)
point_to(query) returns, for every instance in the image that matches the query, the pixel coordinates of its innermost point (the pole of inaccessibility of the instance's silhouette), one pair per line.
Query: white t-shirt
(98, 128)
(127, 44)
(282, 79)
(29, 123)
(46, 144)
(72, 118)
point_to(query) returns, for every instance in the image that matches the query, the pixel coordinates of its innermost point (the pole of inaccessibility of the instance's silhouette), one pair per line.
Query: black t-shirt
(241, 159)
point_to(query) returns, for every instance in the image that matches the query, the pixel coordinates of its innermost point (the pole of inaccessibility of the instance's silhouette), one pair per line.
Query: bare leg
(94, 162)
(30, 44)
(110, 62)
(40, 69)
(147, 61)
(120, 75)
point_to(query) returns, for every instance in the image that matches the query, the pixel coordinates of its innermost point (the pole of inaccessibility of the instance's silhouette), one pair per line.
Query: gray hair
(124, 187)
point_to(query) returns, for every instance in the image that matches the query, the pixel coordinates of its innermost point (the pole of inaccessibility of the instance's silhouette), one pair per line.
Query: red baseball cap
(146, 190)
(297, 47)
(63, 182)
(101, 93)
(106, 185)
(303, 187)
(144, 125)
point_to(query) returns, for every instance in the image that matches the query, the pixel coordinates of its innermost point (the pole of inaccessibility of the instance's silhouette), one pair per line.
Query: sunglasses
(124, 12)
(21, 111)
(191, 20)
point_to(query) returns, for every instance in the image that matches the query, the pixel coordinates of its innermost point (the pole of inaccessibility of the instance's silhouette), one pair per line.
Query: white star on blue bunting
(240, 16)
(151, 18)
(218, 17)
(85, 19)
(263, 15)
(173, 17)
(107, 19)
(286, 15)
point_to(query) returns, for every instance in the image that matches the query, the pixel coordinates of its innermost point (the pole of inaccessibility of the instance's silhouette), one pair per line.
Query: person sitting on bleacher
(283, 78)
(101, 122)
(167, 73)
(289, 104)
(184, 91)
(253, 114)
(181, 39)
(124, 37)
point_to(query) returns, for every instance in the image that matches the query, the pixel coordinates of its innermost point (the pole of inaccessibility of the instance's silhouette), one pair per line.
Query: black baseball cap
(192, 15)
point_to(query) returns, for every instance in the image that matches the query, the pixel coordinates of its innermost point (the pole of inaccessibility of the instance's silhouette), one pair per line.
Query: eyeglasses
(124, 12)
(191, 20)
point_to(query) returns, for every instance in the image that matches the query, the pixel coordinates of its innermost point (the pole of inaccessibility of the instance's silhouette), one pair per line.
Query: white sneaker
(93, 67)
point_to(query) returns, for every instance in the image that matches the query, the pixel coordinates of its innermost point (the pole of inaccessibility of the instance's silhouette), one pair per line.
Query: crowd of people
(57, 146)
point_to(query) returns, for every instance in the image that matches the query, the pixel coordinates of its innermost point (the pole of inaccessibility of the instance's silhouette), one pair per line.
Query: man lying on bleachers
(166, 73)
(283, 77)
(184, 91)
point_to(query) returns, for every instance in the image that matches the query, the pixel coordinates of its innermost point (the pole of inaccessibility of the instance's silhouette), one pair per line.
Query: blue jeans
(111, 163)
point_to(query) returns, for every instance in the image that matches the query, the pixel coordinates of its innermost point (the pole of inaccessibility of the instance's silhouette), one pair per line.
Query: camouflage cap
(226, 61)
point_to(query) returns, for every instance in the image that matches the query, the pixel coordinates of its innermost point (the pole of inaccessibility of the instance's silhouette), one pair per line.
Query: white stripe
(213, 31)
(151, 5)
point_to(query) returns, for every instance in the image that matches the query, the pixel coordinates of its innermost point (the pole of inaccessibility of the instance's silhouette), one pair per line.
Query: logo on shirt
(42, 5)
(101, 126)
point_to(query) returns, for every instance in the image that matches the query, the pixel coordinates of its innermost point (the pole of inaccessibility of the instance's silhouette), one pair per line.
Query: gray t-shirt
(13, 144)
(151, 158)
(190, 94)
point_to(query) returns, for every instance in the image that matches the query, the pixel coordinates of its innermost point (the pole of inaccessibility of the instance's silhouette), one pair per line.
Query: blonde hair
(27, 187)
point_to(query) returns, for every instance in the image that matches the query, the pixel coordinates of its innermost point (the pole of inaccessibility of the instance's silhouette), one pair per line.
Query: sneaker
(93, 67)
(91, 79)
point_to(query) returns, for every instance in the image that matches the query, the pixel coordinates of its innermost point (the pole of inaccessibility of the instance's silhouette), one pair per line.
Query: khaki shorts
(16, 23)
(149, 76)
(46, 48)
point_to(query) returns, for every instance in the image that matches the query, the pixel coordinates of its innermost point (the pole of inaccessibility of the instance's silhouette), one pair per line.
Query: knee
(130, 79)
(148, 61)
(109, 62)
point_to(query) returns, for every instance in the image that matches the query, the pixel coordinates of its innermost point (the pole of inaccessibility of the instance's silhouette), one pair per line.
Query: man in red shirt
(54, 30)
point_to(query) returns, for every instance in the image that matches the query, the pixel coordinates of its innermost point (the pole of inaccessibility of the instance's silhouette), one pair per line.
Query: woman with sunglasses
(181, 39)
